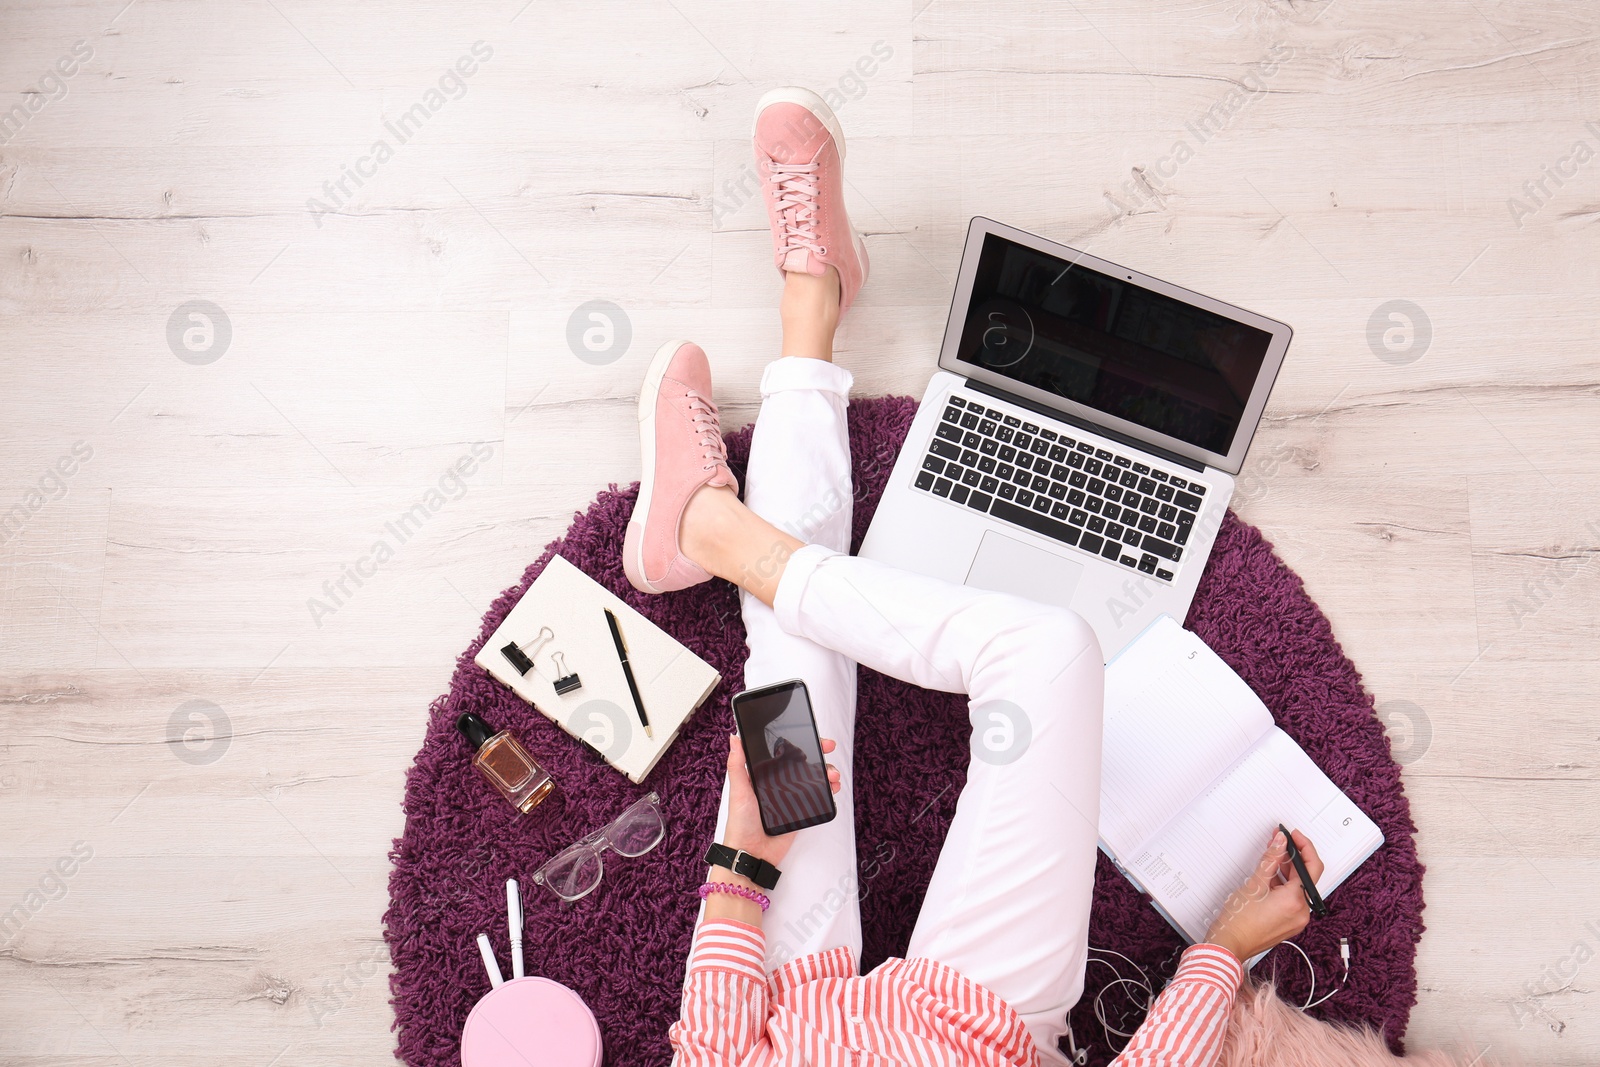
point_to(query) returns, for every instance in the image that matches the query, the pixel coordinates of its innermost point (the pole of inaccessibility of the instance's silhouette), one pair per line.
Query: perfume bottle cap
(475, 730)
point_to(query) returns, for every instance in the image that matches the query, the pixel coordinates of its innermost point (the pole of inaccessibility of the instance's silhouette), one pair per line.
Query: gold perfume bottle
(505, 763)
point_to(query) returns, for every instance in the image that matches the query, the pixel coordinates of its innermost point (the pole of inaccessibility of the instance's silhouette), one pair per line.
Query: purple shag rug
(623, 947)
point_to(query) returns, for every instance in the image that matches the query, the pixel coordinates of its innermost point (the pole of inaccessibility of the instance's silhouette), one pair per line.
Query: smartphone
(783, 751)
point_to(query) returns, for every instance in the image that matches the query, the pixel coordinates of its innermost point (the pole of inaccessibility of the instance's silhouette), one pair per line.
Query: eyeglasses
(574, 872)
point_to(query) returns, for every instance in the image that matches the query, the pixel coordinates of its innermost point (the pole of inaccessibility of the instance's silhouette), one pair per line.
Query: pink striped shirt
(1186, 1026)
(818, 1010)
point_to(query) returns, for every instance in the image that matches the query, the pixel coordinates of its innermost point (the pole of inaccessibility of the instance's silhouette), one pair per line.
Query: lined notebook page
(1211, 847)
(1176, 718)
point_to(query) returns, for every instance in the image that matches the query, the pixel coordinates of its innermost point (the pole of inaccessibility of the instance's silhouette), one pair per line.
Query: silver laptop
(1078, 443)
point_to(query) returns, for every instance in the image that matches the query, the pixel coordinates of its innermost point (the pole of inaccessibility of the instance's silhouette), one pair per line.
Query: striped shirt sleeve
(725, 998)
(1186, 1026)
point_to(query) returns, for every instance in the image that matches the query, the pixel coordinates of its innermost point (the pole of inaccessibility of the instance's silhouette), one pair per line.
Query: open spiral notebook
(1195, 778)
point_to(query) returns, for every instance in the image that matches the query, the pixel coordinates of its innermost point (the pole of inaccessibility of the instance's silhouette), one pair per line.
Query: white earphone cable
(1142, 983)
(1312, 1000)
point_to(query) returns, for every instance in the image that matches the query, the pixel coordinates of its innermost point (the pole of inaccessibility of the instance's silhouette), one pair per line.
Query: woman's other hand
(1271, 905)
(744, 831)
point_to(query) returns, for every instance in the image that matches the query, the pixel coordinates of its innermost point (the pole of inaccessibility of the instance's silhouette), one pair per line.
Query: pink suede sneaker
(683, 450)
(800, 158)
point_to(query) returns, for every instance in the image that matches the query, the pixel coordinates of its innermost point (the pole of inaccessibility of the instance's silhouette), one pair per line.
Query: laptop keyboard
(1095, 499)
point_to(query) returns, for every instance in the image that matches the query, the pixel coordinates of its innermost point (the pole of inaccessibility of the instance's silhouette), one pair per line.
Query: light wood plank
(1103, 64)
(333, 399)
(1507, 994)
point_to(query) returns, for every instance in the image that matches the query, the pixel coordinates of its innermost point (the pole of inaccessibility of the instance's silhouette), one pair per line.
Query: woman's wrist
(770, 851)
(736, 906)
(722, 874)
(731, 905)
(758, 846)
(1227, 945)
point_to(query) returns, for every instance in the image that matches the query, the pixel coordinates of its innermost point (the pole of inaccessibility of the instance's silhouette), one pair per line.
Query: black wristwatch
(745, 865)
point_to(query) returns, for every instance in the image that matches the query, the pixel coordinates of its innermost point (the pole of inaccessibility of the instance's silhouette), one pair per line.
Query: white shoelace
(796, 188)
(708, 428)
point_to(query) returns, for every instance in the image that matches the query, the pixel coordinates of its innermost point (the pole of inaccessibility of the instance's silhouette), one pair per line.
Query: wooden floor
(202, 767)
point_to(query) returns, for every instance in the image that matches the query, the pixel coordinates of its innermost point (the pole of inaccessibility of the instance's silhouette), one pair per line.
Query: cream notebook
(1195, 778)
(673, 681)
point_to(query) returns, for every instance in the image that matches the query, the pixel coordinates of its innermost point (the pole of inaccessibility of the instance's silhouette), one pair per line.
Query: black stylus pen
(1319, 908)
(627, 671)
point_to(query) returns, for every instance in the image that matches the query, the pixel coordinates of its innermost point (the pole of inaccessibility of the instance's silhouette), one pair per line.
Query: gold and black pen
(627, 671)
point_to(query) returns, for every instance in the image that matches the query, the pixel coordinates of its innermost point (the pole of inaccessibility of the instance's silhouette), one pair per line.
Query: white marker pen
(485, 950)
(514, 924)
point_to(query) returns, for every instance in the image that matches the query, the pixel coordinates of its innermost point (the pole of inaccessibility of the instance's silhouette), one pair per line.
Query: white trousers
(1008, 904)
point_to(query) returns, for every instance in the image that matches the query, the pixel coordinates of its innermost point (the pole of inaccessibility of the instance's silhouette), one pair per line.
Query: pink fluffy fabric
(1266, 1032)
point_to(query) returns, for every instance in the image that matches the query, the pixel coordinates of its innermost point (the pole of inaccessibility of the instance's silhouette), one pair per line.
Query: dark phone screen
(1111, 345)
(784, 755)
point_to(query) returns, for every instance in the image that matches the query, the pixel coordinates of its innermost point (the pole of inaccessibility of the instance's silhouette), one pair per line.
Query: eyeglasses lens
(576, 875)
(638, 831)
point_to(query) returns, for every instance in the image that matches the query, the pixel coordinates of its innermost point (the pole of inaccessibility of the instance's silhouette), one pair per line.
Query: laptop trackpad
(1006, 565)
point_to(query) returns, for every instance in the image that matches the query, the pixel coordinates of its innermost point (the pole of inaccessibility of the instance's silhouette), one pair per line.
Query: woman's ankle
(810, 314)
(703, 530)
(725, 538)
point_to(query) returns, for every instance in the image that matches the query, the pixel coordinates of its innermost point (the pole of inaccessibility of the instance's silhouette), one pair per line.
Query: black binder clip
(523, 660)
(517, 659)
(565, 681)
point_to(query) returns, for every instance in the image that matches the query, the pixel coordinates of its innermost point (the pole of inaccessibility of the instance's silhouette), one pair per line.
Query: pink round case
(531, 1021)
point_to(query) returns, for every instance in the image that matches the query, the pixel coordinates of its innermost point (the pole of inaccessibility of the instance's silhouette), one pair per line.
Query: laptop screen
(1110, 344)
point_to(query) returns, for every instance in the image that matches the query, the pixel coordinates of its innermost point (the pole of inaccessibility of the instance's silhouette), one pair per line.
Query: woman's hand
(1270, 906)
(744, 831)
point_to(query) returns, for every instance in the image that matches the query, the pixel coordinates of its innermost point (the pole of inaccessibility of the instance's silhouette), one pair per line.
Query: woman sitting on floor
(998, 954)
